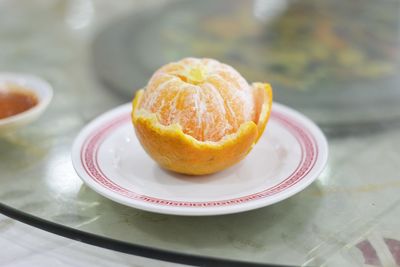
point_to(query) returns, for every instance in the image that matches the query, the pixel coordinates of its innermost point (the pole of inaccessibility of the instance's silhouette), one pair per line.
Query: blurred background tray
(340, 69)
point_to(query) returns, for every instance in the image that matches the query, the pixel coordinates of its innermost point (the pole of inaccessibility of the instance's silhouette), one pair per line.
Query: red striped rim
(89, 159)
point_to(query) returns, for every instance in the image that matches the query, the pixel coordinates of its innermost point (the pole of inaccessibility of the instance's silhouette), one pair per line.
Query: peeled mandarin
(199, 116)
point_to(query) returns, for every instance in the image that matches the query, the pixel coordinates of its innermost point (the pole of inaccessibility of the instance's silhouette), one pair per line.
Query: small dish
(38, 86)
(289, 156)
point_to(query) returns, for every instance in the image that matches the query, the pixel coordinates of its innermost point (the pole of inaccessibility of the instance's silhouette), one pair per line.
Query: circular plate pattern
(290, 155)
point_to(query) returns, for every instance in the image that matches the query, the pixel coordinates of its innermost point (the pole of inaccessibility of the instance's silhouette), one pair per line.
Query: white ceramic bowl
(41, 88)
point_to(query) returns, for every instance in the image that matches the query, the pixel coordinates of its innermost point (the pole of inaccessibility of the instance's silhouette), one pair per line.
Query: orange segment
(199, 116)
(207, 98)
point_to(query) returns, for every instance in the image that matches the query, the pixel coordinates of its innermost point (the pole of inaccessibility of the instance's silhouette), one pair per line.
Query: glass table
(335, 61)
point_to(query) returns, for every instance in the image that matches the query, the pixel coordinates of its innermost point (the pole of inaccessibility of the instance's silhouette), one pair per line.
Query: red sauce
(15, 99)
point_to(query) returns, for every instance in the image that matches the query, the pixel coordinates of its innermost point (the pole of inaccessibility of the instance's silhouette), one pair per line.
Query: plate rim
(306, 124)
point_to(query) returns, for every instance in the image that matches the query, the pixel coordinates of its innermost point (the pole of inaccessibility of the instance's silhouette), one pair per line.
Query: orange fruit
(199, 116)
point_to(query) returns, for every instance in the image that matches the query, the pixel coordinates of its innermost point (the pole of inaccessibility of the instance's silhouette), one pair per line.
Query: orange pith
(198, 116)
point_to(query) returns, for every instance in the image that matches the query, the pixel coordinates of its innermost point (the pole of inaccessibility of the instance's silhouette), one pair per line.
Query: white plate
(40, 87)
(290, 155)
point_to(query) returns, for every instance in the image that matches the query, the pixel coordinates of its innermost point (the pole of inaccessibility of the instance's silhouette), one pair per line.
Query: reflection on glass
(58, 167)
(79, 13)
(267, 10)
